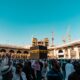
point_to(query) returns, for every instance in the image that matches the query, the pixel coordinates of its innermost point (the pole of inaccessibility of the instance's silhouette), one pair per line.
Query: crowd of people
(50, 69)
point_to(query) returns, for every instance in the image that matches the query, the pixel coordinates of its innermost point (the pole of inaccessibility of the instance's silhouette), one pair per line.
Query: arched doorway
(26, 54)
(2, 50)
(11, 51)
(60, 53)
(19, 54)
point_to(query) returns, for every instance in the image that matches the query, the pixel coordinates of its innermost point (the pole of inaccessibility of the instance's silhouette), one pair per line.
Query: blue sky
(20, 19)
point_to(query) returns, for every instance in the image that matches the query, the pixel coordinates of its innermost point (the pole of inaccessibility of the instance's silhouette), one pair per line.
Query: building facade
(15, 51)
(69, 50)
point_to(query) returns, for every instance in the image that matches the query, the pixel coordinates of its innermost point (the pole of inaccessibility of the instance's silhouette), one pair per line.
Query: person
(6, 73)
(44, 70)
(29, 71)
(69, 68)
(19, 75)
(36, 67)
(54, 73)
(6, 67)
(76, 74)
(63, 69)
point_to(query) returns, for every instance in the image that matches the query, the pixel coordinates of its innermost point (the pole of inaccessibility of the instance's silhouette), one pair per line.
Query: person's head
(19, 67)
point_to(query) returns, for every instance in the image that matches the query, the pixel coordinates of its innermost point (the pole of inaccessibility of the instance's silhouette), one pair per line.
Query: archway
(19, 53)
(2, 50)
(11, 51)
(60, 53)
(25, 52)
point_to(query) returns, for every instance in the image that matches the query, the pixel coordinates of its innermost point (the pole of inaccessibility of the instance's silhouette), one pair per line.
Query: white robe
(69, 68)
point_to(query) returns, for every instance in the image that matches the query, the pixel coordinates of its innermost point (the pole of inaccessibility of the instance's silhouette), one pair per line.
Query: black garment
(54, 75)
(74, 76)
(29, 71)
(63, 66)
(7, 76)
(41, 66)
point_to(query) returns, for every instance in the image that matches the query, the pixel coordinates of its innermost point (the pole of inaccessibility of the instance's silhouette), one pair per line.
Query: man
(6, 67)
(19, 75)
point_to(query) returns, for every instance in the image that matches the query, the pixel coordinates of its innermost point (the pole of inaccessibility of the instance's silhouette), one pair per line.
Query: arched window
(11, 51)
(60, 51)
(25, 52)
(18, 52)
(2, 50)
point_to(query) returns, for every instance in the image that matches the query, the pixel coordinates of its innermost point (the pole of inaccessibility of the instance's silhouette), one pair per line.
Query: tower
(34, 41)
(46, 42)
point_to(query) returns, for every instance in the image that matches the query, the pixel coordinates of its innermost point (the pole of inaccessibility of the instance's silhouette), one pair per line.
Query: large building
(26, 52)
(15, 51)
(39, 48)
(70, 50)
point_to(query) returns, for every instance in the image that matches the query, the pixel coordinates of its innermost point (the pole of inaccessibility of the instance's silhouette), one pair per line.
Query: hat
(5, 69)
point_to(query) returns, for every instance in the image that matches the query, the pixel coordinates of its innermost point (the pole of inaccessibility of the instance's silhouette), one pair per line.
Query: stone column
(77, 52)
(57, 54)
(64, 53)
(54, 52)
(69, 53)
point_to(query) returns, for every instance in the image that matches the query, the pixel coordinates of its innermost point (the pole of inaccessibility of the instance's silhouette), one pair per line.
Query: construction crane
(64, 40)
(52, 39)
(67, 37)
